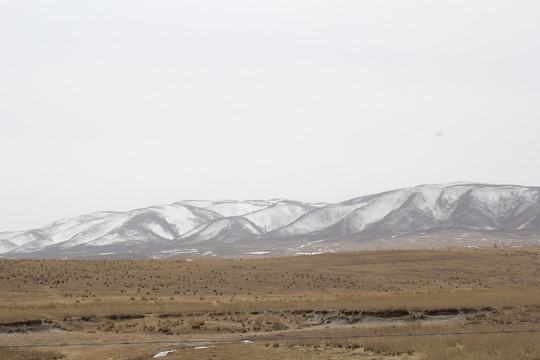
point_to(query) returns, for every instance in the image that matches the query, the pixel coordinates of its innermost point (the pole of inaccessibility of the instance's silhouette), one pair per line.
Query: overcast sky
(114, 105)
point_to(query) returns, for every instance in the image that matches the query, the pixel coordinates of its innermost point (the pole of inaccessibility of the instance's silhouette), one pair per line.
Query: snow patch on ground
(164, 353)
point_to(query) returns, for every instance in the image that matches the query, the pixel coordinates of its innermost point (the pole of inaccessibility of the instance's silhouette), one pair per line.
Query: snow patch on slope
(6, 245)
(237, 208)
(184, 218)
(229, 229)
(6, 235)
(97, 230)
(318, 219)
(278, 215)
(160, 231)
(376, 209)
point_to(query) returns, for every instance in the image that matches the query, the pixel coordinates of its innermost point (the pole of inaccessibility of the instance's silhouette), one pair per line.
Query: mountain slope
(279, 214)
(281, 226)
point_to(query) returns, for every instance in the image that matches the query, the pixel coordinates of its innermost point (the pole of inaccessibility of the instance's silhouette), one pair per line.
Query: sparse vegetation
(323, 296)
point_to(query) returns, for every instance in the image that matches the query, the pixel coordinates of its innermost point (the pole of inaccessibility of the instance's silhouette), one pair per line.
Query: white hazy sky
(114, 105)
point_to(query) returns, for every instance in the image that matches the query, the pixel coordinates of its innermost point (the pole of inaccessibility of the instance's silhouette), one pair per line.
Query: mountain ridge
(230, 227)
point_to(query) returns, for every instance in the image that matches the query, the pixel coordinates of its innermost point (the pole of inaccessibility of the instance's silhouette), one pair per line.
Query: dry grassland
(376, 305)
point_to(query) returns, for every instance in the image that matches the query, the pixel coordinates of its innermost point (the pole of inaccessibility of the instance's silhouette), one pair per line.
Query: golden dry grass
(29, 354)
(337, 294)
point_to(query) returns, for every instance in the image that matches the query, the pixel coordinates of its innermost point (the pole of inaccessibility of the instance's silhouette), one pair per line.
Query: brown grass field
(414, 304)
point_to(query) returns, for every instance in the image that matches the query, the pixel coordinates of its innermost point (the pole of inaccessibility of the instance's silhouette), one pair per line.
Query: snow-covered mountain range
(278, 227)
